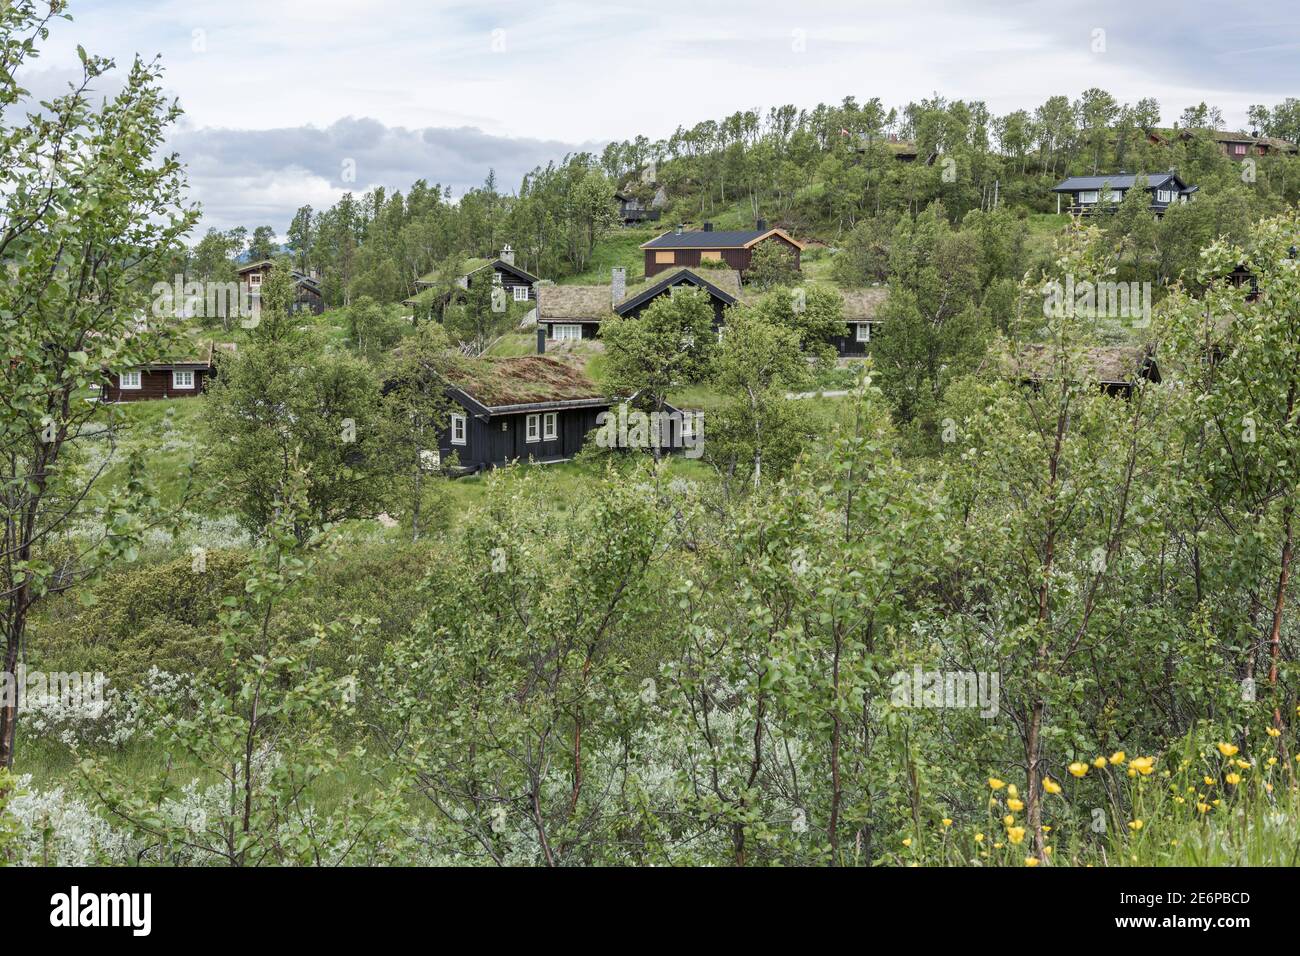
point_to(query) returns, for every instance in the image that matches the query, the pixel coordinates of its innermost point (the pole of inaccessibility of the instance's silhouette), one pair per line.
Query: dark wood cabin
(632, 209)
(862, 315)
(1114, 369)
(181, 377)
(692, 248)
(1089, 195)
(527, 408)
(574, 312)
(520, 285)
(308, 296)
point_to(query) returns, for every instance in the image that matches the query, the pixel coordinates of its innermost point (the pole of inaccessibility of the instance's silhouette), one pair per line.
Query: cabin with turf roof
(567, 313)
(1114, 369)
(526, 408)
(184, 376)
(862, 312)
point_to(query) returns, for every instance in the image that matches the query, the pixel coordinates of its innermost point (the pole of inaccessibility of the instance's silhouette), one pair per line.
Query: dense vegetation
(945, 618)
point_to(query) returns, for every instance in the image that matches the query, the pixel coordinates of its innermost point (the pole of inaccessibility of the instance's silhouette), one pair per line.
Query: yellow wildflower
(1015, 834)
(1099, 763)
(1078, 768)
(1051, 786)
(1117, 757)
(1008, 820)
(1228, 750)
(1016, 805)
(1233, 778)
(1143, 765)
(979, 838)
(946, 822)
(1031, 861)
(995, 783)
(1274, 732)
(1135, 825)
(907, 841)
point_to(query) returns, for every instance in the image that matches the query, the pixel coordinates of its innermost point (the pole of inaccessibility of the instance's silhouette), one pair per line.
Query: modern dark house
(1093, 194)
(573, 312)
(308, 296)
(1114, 369)
(862, 314)
(691, 248)
(528, 408)
(185, 376)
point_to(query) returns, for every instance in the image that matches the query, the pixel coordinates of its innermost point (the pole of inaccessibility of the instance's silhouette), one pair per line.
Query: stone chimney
(507, 255)
(617, 284)
(681, 227)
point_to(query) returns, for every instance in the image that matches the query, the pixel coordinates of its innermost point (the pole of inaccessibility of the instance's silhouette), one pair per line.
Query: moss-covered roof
(592, 303)
(520, 380)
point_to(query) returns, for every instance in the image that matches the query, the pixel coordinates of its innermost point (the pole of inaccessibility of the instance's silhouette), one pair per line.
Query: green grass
(622, 247)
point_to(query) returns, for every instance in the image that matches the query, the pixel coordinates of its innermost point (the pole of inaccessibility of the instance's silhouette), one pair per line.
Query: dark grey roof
(698, 238)
(1116, 181)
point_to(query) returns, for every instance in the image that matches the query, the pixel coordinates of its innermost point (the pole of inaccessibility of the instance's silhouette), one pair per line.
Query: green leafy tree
(90, 213)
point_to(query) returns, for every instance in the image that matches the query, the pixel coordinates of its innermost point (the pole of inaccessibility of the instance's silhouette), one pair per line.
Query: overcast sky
(281, 94)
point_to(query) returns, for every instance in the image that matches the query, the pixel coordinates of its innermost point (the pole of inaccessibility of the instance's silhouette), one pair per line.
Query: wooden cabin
(1114, 369)
(691, 248)
(308, 296)
(180, 377)
(527, 408)
(862, 315)
(1095, 194)
(520, 285)
(574, 312)
(632, 209)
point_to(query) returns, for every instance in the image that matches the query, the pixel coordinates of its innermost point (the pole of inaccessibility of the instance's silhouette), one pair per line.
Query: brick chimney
(617, 284)
(507, 255)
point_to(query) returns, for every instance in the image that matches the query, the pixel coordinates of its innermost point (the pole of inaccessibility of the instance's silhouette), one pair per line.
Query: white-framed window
(457, 429)
(129, 380)
(1239, 149)
(255, 279)
(550, 426)
(864, 331)
(1164, 195)
(566, 333)
(182, 378)
(520, 293)
(532, 428)
(1087, 197)
(1116, 195)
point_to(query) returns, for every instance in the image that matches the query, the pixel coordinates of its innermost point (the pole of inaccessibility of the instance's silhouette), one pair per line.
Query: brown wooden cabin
(1114, 369)
(308, 296)
(691, 248)
(1090, 195)
(182, 377)
(575, 312)
(519, 284)
(526, 408)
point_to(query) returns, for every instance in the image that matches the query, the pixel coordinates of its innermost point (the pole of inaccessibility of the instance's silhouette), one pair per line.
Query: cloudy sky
(294, 101)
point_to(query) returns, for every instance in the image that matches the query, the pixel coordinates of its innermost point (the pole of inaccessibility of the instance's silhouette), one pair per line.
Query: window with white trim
(255, 278)
(532, 428)
(1239, 149)
(1116, 195)
(1164, 195)
(550, 426)
(182, 378)
(520, 293)
(458, 429)
(864, 331)
(1087, 197)
(566, 333)
(129, 380)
